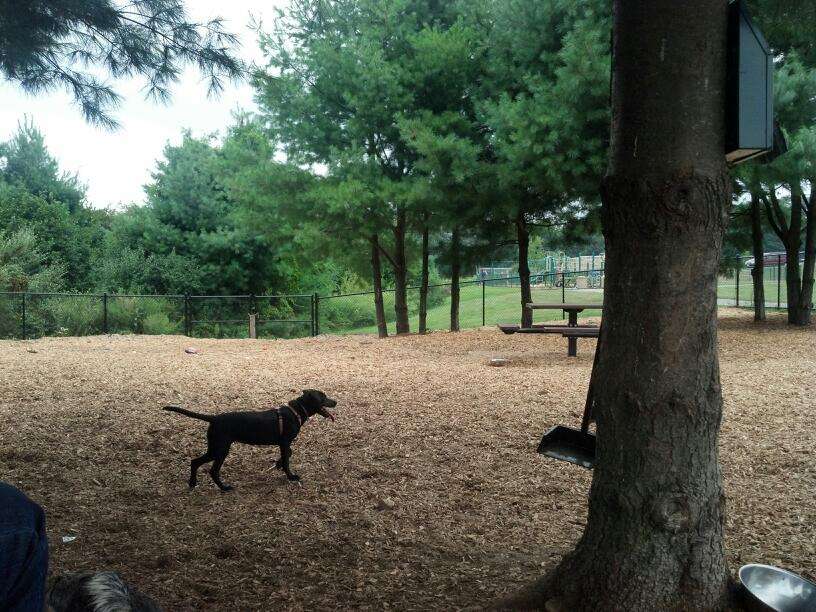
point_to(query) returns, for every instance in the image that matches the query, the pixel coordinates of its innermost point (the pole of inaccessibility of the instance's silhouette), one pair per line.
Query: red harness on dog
(300, 420)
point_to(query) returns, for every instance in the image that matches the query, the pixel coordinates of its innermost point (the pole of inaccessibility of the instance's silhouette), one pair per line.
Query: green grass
(502, 305)
(727, 290)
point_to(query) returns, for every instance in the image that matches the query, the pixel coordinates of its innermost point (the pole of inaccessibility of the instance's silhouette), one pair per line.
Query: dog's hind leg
(197, 463)
(215, 470)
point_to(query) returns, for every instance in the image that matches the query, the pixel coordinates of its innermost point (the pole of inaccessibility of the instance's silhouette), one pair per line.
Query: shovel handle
(589, 398)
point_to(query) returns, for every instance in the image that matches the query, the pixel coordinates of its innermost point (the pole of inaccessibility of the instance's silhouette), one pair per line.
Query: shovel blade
(568, 444)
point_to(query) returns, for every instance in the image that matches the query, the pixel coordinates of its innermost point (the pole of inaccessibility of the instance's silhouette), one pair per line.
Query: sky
(116, 165)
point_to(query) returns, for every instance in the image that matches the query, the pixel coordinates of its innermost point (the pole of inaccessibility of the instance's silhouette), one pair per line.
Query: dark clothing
(23, 552)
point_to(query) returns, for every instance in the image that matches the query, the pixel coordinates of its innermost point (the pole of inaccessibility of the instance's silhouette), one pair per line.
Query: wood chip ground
(472, 512)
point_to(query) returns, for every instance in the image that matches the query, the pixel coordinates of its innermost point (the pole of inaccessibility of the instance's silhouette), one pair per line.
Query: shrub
(145, 315)
(65, 316)
(158, 324)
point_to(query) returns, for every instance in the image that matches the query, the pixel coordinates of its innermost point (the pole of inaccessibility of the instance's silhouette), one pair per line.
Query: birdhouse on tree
(749, 88)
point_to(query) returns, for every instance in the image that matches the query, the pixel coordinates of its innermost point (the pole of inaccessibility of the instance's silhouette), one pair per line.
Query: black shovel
(573, 445)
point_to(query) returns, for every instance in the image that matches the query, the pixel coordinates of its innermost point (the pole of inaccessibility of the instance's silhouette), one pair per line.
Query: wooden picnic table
(572, 311)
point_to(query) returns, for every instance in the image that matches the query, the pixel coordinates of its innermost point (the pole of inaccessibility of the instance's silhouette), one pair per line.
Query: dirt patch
(423, 422)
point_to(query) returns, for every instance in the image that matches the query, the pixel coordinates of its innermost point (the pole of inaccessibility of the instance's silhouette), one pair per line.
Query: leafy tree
(341, 74)
(23, 267)
(792, 216)
(546, 105)
(45, 44)
(192, 233)
(35, 194)
(450, 168)
(27, 163)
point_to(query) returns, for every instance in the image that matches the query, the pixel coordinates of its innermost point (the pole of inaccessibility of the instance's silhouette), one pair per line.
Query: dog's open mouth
(326, 414)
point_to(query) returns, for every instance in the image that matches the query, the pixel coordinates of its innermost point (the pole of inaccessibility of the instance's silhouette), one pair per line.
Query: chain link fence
(482, 301)
(34, 315)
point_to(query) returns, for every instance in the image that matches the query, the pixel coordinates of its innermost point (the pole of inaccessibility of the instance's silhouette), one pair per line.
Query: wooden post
(252, 331)
(737, 285)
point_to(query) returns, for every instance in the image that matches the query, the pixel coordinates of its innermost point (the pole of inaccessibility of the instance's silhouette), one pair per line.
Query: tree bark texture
(423, 287)
(523, 236)
(654, 534)
(400, 274)
(455, 274)
(376, 274)
(758, 273)
(810, 260)
(793, 243)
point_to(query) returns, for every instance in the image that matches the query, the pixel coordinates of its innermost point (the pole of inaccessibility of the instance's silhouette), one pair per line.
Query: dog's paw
(227, 488)
(293, 478)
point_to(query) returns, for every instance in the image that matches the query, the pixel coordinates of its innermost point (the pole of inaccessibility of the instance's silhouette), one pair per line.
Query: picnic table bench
(571, 331)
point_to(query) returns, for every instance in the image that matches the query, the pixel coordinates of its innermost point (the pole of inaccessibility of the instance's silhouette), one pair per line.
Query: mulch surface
(422, 421)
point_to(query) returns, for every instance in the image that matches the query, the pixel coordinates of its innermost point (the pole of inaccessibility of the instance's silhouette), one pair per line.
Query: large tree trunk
(654, 533)
(793, 243)
(423, 287)
(523, 235)
(805, 301)
(376, 273)
(758, 273)
(455, 274)
(400, 274)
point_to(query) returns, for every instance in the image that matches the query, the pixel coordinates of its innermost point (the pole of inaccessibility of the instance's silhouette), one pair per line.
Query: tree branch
(387, 255)
(769, 213)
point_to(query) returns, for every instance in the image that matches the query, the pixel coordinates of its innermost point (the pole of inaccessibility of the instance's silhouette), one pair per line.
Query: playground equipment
(546, 268)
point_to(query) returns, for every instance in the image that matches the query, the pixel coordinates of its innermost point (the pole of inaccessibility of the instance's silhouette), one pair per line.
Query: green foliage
(65, 316)
(36, 195)
(23, 266)
(58, 43)
(156, 316)
(201, 231)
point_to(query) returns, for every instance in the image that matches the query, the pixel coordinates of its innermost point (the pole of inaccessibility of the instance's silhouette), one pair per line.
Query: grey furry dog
(96, 592)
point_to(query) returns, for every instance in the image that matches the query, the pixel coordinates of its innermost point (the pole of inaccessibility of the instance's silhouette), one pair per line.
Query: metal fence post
(563, 291)
(311, 314)
(25, 335)
(105, 313)
(316, 314)
(484, 282)
(187, 325)
(778, 281)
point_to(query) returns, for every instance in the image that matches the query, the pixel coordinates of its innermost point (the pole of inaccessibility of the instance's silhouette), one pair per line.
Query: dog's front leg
(286, 453)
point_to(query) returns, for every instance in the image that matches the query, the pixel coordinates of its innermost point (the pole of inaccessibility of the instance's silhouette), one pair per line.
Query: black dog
(279, 426)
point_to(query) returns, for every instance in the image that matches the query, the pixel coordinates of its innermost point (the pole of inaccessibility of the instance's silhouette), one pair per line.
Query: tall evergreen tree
(654, 533)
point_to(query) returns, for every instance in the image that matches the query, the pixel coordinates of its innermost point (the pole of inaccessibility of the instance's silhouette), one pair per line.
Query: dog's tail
(190, 413)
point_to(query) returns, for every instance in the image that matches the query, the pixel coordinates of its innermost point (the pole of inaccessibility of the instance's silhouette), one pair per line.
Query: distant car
(773, 259)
